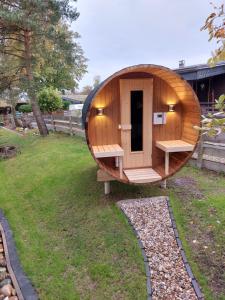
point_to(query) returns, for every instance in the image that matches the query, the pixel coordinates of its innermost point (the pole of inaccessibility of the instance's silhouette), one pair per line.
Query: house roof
(74, 98)
(201, 71)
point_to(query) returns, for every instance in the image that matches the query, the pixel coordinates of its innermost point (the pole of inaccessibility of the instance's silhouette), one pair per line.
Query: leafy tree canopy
(215, 24)
(39, 48)
(49, 100)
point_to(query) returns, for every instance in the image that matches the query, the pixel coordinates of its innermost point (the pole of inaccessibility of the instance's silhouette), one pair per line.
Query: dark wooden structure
(139, 123)
(207, 81)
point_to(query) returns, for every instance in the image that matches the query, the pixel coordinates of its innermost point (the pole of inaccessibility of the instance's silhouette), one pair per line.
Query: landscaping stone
(5, 282)
(169, 276)
(2, 262)
(7, 290)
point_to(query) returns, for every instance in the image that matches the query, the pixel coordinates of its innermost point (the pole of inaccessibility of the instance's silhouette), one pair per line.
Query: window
(136, 120)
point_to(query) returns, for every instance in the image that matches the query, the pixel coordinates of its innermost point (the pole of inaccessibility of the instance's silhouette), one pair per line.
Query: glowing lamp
(100, 111)
(171, 107)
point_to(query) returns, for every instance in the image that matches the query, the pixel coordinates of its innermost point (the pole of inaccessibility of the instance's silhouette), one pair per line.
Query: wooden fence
(64, 123)
(210, 155)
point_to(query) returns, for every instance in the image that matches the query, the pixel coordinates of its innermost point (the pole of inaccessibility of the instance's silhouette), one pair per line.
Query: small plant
(214, 124)
(25, 108)
(49, 100)
(66, 105)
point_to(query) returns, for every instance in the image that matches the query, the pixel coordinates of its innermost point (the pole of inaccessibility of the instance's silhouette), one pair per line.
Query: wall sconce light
(100, 111)
(171, 107)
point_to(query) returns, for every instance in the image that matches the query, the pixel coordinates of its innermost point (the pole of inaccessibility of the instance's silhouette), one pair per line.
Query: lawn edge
(21, 281)
(194, 282)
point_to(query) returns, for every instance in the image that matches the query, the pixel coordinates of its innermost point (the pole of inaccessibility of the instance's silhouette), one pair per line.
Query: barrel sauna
(139, 124)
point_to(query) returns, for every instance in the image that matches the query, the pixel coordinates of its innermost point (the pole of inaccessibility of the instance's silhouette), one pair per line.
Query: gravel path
(7, 290)
(151, 219)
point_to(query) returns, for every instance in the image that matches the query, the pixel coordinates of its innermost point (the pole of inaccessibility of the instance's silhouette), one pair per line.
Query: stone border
(141, 246)
(22, 284)
(194, 282)
(187, 266)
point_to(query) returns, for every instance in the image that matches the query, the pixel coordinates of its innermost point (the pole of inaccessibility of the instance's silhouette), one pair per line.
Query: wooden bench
(173, 146)
(110, 151)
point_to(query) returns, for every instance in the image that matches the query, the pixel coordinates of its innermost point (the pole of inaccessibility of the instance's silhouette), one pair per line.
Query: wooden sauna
(139, 124)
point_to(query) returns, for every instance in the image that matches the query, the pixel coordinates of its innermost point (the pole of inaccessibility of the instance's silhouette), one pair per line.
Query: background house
(208, 82)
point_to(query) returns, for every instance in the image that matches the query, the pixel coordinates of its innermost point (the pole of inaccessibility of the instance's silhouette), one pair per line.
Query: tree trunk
(17, 124)
(30, 88)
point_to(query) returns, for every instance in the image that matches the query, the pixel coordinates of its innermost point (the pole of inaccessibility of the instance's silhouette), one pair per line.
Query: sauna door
(136, 97)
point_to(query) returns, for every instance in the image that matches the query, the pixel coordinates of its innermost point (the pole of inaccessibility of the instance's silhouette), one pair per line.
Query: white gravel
(169, 278)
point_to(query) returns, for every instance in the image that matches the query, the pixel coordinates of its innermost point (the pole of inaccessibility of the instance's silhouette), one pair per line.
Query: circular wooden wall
(168, 88)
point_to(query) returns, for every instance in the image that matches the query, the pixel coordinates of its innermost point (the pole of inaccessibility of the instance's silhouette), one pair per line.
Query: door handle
(125, 126)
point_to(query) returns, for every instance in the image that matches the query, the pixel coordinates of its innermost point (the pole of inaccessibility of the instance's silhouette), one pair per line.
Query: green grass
(201, 225)
(73, 242)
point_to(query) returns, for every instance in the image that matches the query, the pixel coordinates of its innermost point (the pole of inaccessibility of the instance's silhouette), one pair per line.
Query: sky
(121, 33)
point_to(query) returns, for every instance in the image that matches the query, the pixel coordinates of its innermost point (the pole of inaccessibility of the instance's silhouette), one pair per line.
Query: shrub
(25, 108)
(49, 100)
(66, 105)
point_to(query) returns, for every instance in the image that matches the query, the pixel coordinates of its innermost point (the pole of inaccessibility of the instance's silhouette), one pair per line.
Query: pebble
(2, 262)
(169, 278)
(5, 282)
(2, 269)
(7, 290)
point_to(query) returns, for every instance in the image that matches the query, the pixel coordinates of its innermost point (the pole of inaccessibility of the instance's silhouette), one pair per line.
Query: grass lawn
(73, 241)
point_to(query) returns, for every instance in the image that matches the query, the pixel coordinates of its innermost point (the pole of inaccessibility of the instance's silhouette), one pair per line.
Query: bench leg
(117, 161)
(107, 187)
(167, 165)
(167, 161)
(163, 184)
(121, 166)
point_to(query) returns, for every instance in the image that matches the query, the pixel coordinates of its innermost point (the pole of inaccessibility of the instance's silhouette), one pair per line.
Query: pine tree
(33, 33)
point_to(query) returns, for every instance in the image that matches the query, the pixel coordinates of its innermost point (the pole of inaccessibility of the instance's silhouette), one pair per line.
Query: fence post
(71, 125)
(53, 123)
(200, 151)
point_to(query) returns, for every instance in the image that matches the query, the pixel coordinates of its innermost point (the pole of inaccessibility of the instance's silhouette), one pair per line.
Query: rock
(6, 281)
(2, 269)
(2, 262)
(1, 248)
(13, 292)
(3, 275)
(13, 298)
(6, 290)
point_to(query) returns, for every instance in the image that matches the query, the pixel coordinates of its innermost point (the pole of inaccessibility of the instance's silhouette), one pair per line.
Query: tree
(215, 24)
(214, 124)
(96, 81)
(49, 100)
(86, 89)
(65, 63)
(33, 33)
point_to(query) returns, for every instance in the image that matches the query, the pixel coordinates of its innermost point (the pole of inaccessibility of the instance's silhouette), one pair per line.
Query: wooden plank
(174, 146)
(107, 151)
(142, 175)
